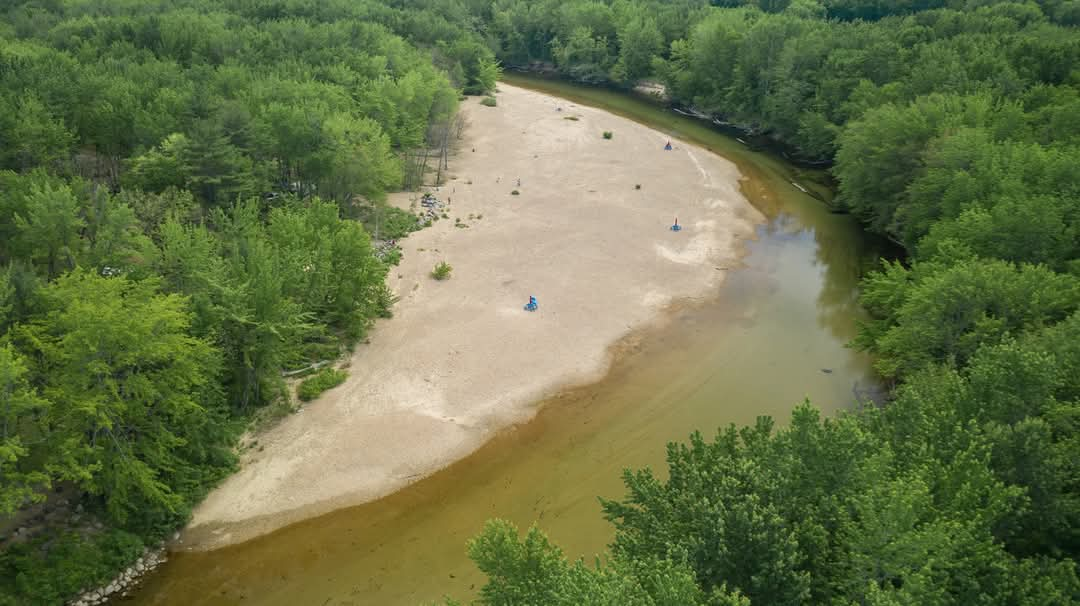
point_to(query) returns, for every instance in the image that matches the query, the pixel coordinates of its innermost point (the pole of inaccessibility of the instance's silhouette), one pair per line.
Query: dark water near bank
(775, 336)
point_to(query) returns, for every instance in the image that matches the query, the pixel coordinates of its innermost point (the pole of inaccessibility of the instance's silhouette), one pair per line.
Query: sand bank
(461, 359)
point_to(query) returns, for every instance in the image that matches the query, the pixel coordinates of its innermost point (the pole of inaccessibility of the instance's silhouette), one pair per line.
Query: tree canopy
(179, 183)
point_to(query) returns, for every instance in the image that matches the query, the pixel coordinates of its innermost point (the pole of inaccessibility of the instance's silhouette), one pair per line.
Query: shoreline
(461, 361)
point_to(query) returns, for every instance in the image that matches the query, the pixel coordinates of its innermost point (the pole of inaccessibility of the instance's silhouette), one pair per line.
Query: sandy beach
(461, 359)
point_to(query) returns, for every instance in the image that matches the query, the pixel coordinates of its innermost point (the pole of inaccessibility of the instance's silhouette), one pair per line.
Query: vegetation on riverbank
(178, 180)
(327, 378)
(951, 129)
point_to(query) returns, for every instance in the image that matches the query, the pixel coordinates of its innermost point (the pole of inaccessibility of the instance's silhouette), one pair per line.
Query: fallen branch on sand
(315, 366)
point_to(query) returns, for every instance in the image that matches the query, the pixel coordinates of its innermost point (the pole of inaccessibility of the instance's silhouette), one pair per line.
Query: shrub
(394, 223)
(442, 271)
(574, 118)
(392, 256)
(515, 193)
(608, 134)
(311, 387)
(51, 568)
(488, 101)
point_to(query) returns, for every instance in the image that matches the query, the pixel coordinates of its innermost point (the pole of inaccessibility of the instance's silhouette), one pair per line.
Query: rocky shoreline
(127, 579)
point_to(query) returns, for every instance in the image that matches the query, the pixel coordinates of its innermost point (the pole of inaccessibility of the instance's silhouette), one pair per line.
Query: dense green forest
(178, 187)
(180, 179)
(953, 128)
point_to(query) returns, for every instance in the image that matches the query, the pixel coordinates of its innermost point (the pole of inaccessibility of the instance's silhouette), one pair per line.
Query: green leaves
(947, 313)
(127, 388)
(21, 428)
(533, 571)
(639, 41)
(49, 231)
(37, 138)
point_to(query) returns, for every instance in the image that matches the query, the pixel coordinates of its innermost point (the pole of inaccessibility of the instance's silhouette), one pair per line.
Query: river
(775, 335)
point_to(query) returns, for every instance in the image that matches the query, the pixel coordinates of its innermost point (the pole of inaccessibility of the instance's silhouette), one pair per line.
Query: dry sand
(461, 359)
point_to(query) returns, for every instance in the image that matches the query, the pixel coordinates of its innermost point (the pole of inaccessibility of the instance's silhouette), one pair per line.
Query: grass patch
(608, 134)
(488, 101)
(311, 387)
(442, 271)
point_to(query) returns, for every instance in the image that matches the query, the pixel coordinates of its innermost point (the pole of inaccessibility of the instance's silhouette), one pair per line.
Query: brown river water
(775, 335)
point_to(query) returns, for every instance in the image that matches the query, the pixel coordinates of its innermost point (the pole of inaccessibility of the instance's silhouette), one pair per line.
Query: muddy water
(774, 336)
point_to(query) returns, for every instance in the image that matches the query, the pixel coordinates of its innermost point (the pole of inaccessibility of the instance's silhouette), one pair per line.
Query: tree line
(951, 128)
(179, 188)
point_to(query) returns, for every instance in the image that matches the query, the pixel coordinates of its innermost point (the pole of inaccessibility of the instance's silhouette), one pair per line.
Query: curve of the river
(775, 336)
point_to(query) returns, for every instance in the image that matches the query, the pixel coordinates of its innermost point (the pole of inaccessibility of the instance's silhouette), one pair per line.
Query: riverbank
(461, 359)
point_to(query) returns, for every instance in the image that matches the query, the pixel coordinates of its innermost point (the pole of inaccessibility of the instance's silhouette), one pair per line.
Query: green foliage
(639, 41)
(488, 102)
(608, 134)
(172, 184)
(37, 137)
(473, 67)
(533, 571)
(952, 131)
(311, 387)
(442, 271)
(392, 256)
(936, 314)
(827, 511)
(21, 424)
(114, 361)
(79, 561)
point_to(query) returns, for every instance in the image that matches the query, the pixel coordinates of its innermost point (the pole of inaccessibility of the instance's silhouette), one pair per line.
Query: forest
(953, 129)
(180, 182)
(179, 188)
